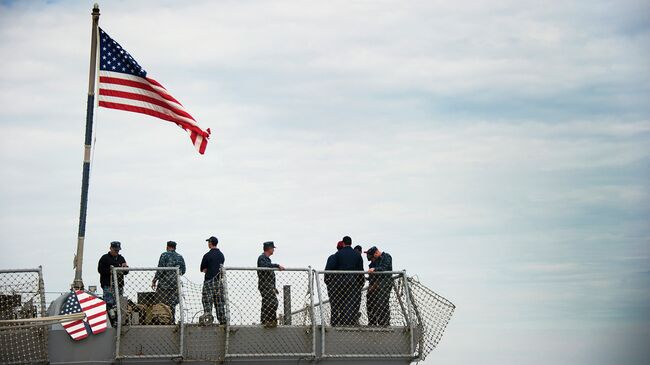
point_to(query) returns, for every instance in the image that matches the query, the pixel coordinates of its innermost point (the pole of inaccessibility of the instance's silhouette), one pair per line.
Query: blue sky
(497, 150)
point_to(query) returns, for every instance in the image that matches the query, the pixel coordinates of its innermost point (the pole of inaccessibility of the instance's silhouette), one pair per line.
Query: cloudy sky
(500, 151)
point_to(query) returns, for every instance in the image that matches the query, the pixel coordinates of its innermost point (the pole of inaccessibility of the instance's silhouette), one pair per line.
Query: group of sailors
(344, 289)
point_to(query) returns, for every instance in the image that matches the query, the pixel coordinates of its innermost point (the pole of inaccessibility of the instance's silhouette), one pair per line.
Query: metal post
(322, 318)
(286, 291)
(408, 306)
(181, 322)
(416, 310)
(41, 289)
(78, 284)
(227, 307)
(116, 297)
(312, 314)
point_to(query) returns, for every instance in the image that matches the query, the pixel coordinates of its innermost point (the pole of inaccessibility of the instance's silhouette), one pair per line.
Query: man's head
(339, 245)
(269, 247)
(358, 249)
(171, 246)
(116, 246)
(212, 241)
(347, 241)
(373, 252)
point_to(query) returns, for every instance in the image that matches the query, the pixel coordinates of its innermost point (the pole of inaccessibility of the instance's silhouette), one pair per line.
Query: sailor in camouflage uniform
(165, 282)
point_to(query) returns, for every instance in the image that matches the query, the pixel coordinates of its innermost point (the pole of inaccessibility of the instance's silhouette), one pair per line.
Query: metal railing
(359, 310)
(145, 300)
(273, 299)
(23, 335)
(296, 313)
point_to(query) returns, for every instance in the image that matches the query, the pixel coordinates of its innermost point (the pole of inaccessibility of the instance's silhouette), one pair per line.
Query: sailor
(349, 285)
(212, 293)
(106, 262)
(266, 286)
(332, 288)
(165, 282)
(380, 285)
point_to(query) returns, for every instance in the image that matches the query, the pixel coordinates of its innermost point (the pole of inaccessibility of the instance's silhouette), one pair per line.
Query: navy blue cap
(371, 250)
(116, 245)
(213, 240)
(268, 244)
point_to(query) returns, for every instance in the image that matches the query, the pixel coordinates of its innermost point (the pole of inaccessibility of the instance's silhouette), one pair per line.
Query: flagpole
(78, 284)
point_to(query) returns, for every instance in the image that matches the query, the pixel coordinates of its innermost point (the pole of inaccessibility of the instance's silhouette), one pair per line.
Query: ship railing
(23, 330)
(296, 313)
(145, 301)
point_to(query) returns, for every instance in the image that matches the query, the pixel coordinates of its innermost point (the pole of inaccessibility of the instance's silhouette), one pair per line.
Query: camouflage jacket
(167, 279)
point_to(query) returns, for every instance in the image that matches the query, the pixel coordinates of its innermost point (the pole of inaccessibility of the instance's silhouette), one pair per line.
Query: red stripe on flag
(95, 305)
(135, 84)
(103, 313)
(136, 109)
(72, 324)
(97, 324)
(145, 98)
(77, 331)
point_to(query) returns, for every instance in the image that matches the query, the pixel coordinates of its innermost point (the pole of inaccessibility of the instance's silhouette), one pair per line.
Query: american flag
(76, 329)
(93, 307)
(124, 85)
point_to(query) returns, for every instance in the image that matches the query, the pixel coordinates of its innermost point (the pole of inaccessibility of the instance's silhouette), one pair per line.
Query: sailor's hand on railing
(281, 267)
(371, 270)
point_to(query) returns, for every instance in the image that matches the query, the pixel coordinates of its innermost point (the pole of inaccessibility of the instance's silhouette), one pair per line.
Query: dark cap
(371, 250)
(339, 245)
(347, 240)
(116, 245)
(213, 240)
(268, 244)
(171, 244)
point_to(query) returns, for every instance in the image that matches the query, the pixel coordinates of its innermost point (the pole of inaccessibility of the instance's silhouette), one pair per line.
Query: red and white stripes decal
(95, 310)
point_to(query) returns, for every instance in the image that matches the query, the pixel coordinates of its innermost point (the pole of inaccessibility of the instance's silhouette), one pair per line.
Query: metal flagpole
(78, 284)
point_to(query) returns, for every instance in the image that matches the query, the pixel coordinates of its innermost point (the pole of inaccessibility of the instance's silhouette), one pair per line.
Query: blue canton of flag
(115, 58)
(76, 329)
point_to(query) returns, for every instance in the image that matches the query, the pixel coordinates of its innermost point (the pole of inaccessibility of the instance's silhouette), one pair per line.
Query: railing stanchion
(116, 299)
(409, 308)
(224, 279)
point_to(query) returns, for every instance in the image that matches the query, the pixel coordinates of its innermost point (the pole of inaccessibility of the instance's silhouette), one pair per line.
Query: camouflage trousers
(212, 295)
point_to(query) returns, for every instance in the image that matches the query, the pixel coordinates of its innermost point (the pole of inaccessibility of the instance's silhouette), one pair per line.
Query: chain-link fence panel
(149, 311)
(364, 314)
(23, 343)
(22, 301)
(21, 294)
(204, 336)
(432, 313)
(279, 302)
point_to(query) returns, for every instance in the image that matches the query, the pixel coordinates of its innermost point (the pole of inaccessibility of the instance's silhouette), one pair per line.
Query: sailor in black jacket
(266, 286)
(108, 260)
(349, 285)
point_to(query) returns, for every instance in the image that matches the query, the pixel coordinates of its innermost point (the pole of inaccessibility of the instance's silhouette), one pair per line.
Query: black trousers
(268, 312)
(378, 305)
(335, 304)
